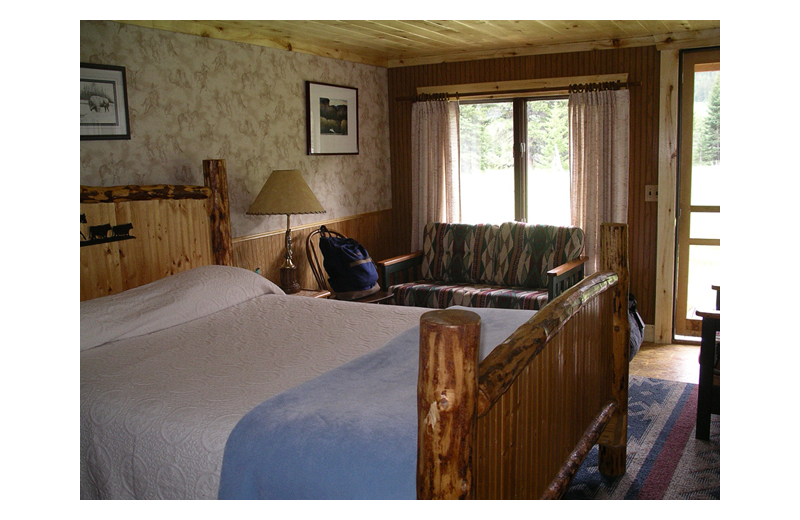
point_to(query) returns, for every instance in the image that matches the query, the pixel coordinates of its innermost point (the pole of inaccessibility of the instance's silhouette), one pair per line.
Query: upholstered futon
(513, 265)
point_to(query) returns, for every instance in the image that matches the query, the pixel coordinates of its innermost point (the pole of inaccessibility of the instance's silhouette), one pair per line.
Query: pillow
(168, 302)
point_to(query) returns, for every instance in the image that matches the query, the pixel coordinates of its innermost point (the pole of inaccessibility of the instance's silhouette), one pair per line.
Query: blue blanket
(350, 433)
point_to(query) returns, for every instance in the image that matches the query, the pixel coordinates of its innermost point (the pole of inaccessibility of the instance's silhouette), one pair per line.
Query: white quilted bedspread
(157, 409)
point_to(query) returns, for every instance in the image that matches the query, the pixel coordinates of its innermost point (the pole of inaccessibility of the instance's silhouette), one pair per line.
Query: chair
(314, 260)
(708, 398)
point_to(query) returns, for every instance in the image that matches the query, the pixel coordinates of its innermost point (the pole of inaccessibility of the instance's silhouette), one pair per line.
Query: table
(708, 392)
(312, 293)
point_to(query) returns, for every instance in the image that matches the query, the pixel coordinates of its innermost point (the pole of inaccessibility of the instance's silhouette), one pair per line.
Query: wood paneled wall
(266, 251)
(642, 66)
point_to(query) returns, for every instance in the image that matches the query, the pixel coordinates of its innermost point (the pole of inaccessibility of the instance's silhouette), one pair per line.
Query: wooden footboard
(519, 424)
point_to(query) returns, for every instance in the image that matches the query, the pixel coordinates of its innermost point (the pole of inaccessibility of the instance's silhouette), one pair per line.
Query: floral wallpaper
(193, 98)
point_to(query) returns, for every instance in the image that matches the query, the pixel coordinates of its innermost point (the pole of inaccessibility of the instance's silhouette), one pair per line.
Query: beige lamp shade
(285, 193)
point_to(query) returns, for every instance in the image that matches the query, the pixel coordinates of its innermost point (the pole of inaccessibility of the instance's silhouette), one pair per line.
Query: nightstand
(312, 293)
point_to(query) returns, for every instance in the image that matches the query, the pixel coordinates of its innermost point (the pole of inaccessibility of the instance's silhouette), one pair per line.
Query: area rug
(664, 460)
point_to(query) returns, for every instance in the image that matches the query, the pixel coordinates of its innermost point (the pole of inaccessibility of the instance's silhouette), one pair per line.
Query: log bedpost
(216, 178)
(613, 442)
(447, 404)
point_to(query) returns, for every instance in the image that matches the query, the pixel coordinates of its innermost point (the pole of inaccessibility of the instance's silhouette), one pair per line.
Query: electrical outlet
(651, 193)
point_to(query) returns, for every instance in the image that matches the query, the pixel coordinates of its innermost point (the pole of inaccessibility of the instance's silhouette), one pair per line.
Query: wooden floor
(670, 362)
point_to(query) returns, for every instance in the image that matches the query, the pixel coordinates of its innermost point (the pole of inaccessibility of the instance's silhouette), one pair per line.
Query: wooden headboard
(172, 228)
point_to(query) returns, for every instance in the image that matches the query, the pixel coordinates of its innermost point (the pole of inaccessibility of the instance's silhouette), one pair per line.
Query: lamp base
(289, 280)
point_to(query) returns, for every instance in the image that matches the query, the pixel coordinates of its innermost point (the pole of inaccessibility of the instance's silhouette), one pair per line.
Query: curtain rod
(582, 87)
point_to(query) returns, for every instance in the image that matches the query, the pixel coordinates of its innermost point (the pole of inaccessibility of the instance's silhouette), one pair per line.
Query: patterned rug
(665, 461)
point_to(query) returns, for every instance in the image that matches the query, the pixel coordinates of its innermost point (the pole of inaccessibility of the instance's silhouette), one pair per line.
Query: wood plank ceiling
(397, 43)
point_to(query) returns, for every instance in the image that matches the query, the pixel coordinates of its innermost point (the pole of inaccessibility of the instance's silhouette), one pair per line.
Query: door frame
(684, 326)
(669, 68)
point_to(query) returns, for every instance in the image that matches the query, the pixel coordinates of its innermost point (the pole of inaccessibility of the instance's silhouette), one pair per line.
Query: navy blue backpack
(351, 273)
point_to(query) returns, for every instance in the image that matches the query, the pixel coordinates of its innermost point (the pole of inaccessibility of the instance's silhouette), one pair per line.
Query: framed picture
(332, 119)
(104, 102)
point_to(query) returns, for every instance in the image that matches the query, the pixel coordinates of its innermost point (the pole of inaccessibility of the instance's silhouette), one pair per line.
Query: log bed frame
(515, 426)
(176, 228)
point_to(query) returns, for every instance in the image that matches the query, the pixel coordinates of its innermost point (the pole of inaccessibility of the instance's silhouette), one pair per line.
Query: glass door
(700, 181)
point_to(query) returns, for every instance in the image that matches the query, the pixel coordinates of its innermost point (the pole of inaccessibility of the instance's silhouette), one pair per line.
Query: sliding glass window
(515, 161)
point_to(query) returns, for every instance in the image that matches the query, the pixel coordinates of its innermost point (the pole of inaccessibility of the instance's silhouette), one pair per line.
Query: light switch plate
(651, 193)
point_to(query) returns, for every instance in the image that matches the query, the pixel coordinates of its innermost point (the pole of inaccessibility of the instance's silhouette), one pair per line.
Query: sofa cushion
(509, 298)
(441, 295)
(511, 254)
(526, 252)
(432, 295)
(459, 253)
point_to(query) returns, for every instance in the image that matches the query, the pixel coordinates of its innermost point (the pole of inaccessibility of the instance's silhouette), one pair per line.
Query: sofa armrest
(400, 269)
(561, 278)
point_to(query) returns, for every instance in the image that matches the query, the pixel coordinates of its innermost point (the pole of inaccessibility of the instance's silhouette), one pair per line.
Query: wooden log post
(110, 194)
(216, 178)
(614, 440)
(447, 404)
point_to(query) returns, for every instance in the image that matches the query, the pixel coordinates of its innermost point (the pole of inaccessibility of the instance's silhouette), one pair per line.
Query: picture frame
(336, 134)
(104, 102)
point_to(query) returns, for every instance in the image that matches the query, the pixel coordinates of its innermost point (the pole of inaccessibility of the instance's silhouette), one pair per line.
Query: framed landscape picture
(104, 102)
(332, 119)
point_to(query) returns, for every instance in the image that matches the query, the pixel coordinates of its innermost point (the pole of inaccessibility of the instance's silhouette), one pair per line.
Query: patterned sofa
(512, 265)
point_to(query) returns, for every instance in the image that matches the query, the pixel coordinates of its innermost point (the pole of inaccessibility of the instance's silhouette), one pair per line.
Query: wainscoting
(266, 251)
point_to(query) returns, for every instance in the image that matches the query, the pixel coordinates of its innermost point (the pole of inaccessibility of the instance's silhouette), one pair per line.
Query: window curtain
(434, 166)
(599, 135)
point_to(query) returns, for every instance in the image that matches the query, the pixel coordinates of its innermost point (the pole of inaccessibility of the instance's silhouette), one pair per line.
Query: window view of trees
(548, 162)
(548, 134)
(706, 132)
(706, 157)
(487, 161)
(486, 131)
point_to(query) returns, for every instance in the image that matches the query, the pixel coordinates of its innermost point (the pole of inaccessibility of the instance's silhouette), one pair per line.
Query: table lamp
(286, 193)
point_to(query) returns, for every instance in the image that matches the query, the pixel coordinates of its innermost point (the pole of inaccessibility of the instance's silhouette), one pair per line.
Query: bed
(203, 380)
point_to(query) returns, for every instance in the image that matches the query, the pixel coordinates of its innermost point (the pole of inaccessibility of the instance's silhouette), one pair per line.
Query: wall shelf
(104, 240)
